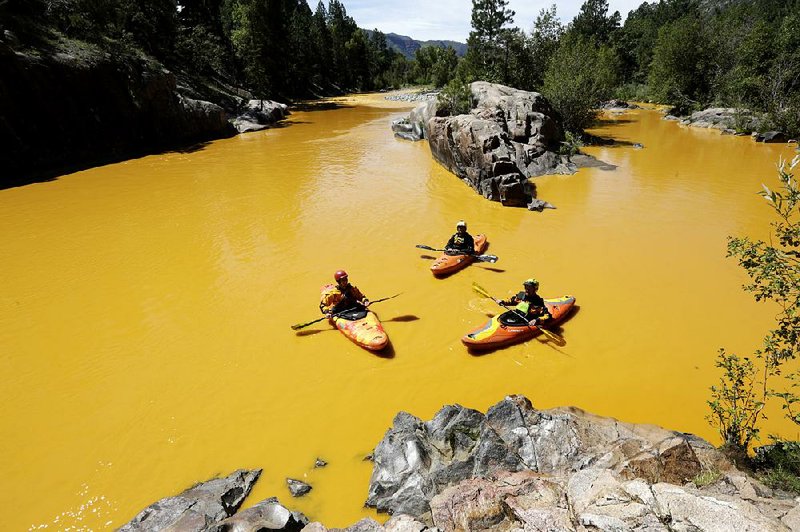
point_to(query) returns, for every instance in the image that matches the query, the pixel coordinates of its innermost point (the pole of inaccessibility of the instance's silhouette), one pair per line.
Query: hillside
(408, 46)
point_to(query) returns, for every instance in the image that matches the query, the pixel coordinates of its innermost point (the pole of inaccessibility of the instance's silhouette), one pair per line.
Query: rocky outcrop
(73, 105)
(69, 109)
(509, 136)
(561, 469)
(259, 114)
(197, 508)
(598, 499)
(716, 117)
(618, 105)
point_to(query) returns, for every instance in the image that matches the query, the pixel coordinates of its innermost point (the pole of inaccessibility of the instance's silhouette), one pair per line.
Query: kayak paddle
(298, 326)
(481, 258)
(553, 336)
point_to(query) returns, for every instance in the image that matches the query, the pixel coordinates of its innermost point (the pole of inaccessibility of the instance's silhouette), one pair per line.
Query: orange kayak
(447, 264)
(363, 327)
(508, 328)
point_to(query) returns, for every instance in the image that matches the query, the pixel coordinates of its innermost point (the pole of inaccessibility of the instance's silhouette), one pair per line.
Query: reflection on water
(146, 306)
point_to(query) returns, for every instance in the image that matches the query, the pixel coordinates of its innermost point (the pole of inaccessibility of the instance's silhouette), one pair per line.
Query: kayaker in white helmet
(461, 242)
(528, 303)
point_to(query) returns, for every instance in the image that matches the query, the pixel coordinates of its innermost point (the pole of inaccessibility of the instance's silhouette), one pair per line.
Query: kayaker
(344, 296)
(461, 242)
(529, 303)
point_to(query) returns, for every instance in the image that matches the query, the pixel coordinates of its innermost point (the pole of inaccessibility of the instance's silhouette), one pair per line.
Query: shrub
(455, 98)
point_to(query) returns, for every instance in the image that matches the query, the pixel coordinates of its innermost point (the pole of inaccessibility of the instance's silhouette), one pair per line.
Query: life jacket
(332, 296)
(524, 307)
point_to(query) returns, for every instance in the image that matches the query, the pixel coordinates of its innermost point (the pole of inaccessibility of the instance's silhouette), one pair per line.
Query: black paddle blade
(487, 258)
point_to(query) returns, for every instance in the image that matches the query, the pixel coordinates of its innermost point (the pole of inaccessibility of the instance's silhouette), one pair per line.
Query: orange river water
(145, 306)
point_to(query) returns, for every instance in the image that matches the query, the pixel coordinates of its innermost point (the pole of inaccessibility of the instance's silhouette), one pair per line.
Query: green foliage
(486, 57)
(778, 465)
(571, 145)
(455, 98)
(774, 271)
(543, 43)
(434, 65)
(581, 74)
(737, 402)
(594, 22)
(636, 92)
(679, 71)
(706, 477)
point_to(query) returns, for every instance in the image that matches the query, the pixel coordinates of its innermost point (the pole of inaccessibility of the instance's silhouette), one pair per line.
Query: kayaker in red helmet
(461, 242)
(529, 303)
(344, 296)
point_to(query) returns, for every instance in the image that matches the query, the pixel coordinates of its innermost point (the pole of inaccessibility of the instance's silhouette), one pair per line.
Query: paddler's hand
(329, 315)
(366, 302)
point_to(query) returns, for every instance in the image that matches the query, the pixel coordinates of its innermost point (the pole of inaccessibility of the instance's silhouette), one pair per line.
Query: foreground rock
(199, 507)
(509, 136)
(269, 514)
(561, 469)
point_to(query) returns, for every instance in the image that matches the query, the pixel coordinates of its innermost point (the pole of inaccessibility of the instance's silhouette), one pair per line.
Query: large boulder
(509, 136)
(259, 114)
(417, 460)
(199, 507)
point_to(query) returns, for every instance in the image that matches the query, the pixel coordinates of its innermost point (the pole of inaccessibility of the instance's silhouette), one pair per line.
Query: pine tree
(486, 58)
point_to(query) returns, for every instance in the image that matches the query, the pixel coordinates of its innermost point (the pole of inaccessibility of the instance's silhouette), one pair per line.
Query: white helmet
(461, 223)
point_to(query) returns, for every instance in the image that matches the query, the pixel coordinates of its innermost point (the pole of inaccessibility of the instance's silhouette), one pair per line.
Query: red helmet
(339, 274)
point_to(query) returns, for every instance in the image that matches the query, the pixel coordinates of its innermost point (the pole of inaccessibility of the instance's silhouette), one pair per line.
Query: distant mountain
(408, 46)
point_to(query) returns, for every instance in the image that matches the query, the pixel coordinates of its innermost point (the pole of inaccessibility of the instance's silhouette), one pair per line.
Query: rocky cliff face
(59, 111)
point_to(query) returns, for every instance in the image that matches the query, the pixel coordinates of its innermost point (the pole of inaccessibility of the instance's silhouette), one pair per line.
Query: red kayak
(360, 325)
(447, 264)
(509, 328)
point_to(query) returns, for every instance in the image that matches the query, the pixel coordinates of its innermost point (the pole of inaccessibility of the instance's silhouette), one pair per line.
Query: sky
(425, 20)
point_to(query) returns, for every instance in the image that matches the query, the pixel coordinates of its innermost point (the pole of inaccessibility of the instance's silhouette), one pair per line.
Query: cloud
(450, 19)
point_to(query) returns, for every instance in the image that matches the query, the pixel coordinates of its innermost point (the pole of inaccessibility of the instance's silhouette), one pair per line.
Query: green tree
(322, 47)
(593, 21)
(680, 72)
(580, 75)
(543, 43)
(455, 98)
(485, 58)
(774, 270)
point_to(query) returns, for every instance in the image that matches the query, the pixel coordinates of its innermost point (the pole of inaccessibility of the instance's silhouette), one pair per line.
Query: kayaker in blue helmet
(529, 303)
(461, 242)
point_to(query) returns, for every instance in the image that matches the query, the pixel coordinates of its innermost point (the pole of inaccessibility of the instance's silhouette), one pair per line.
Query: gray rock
(595, 499)
(772, 137)
(415, 461)
(618, 104)
(509, 136)
(259, 114)
(197, 508)
(319, 462)
(297, 488)
(268, 514)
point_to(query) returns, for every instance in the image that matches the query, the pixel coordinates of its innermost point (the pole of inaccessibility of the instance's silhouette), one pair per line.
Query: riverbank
(516, 467)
